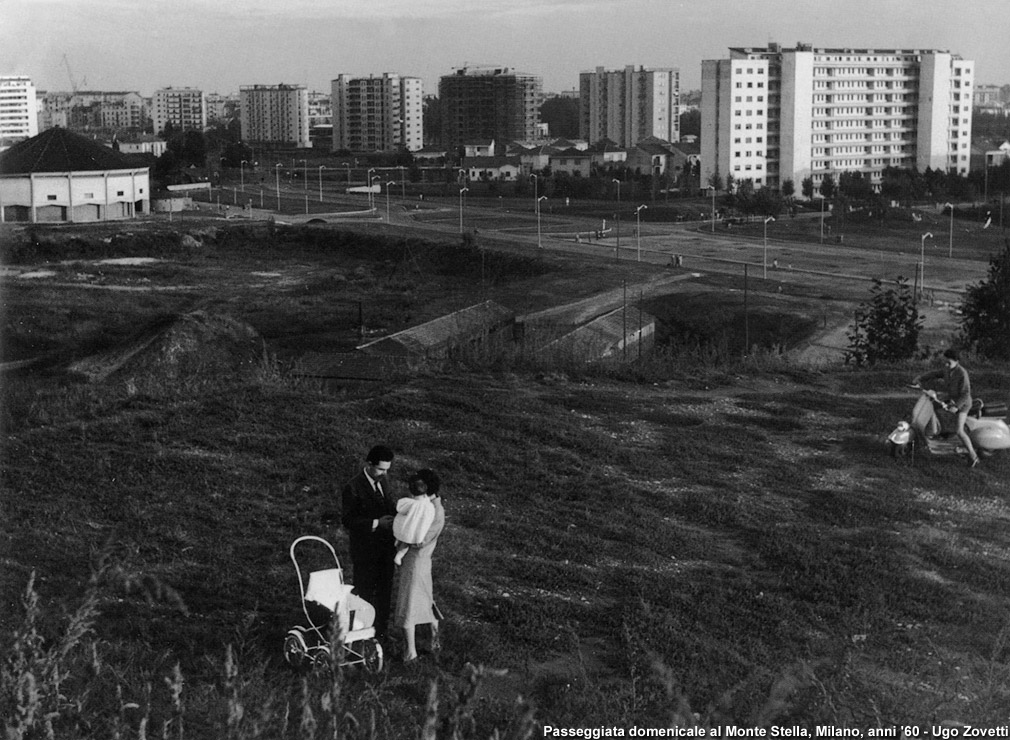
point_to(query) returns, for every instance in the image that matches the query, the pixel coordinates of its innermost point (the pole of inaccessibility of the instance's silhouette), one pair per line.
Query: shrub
(986, 310)
(887, 327)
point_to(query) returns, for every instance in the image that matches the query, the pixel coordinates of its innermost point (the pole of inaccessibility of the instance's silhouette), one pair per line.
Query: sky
(220, 45)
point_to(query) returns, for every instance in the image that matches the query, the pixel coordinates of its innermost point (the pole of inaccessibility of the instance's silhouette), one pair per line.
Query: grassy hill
(669, 542)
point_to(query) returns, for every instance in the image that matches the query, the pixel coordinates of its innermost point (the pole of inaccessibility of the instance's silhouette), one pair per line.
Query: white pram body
(325, 596)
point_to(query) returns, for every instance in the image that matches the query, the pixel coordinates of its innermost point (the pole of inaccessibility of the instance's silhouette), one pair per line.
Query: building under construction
(489, 104)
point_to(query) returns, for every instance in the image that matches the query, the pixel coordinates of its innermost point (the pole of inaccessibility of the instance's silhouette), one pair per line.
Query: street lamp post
(277, 184)
(241, 174)
(305, 177)
(368, 182)
(922, 261)
(764, 259)
(617, 249)
(461, 191)
(950, 233)
(388, 185)
(712, 188)
(403, 184)
(321, 168)
(638, 229)
(536, 193)
(540, 242)
(822, 219)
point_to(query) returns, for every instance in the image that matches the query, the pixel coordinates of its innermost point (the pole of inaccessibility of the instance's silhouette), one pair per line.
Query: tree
(828, 186)
(856, 186)
(985, 325)
(788, 189)
(807, 188)
(690, 123)
(887, 327)
(715, 181)
(561, 116)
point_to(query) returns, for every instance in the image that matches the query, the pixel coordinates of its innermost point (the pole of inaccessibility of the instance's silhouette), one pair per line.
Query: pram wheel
(371, 655)
(296, 653)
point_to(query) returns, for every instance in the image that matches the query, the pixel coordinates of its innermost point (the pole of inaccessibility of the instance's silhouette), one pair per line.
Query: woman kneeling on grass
(415, 601)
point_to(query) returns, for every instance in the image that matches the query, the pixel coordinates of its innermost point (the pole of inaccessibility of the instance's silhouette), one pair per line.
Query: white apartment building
(773, 114)
(629, 105)
(184, 107)
(275, 115)
(377, 113)
(18, 110)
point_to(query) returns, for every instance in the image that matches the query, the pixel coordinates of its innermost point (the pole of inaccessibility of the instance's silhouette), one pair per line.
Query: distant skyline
(220, 45)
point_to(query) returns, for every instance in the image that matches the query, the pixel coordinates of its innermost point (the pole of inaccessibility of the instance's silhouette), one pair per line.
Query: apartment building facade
(377, 113)
(629, 105)
(489, 103)
(94, 110)
(275, 115)
(184, 107)
(771, 114)
(18, 110)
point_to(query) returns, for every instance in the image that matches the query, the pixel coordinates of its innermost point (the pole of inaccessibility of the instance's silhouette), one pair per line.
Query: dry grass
(685, 540)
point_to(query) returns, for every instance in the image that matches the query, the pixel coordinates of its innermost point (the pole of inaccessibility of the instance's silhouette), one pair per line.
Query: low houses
(430, 154)
(607, 153)
(658, 157)
(996, 157)
(536, 158)
(61, 176)
(141, 144)
(437, 338)
(493, 168)
(479, 149)
(572, 161)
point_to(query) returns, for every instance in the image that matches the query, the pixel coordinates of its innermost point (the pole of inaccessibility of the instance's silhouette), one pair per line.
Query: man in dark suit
(367, 515)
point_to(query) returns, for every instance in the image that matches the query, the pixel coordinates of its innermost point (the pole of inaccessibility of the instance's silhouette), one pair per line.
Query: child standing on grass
(414, 516)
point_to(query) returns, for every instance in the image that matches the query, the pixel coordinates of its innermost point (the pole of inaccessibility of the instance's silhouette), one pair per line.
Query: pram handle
(311, 537)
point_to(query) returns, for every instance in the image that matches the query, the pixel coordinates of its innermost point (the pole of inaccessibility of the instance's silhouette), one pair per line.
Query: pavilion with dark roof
(60, 176)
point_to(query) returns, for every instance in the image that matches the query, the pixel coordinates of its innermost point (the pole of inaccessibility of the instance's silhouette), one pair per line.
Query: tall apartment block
(18, 110)
(629, 105)
(275, 115)
(184, 107)
(377, 113)
(774, 114)
(489, 104)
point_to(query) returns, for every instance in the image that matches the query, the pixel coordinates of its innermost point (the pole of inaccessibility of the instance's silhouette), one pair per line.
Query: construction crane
(73, 82)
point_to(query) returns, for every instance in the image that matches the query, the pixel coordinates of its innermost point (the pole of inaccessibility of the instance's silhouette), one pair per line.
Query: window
(50, 197)
(119, 193)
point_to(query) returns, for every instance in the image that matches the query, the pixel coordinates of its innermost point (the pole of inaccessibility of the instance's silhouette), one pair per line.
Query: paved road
(843, 271)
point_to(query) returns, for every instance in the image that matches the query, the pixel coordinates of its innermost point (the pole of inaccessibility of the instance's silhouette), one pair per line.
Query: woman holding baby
(419, 522)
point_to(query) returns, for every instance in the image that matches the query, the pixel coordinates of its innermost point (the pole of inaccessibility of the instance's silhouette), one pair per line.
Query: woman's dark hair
(951, 354)
(424, 481)
(379, 453)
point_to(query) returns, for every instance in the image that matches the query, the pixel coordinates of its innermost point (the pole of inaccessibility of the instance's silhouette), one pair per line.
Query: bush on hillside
(887, 327)
(985, 325)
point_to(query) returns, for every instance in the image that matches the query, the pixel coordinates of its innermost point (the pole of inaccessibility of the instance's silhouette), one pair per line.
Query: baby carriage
(325, 596)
